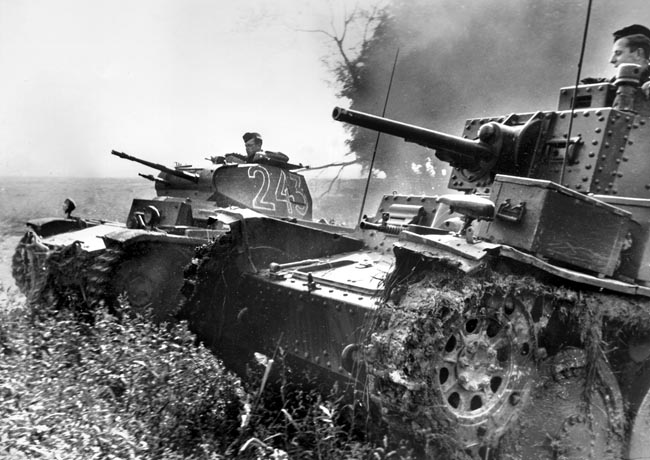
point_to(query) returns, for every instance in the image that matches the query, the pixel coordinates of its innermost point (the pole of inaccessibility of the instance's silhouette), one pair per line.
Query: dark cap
(248, 136)
(634, 29)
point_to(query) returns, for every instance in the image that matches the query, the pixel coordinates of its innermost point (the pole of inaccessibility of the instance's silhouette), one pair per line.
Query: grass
(111, 388)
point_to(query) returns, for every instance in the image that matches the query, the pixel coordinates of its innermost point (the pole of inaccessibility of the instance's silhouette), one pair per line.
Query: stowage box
(556, 223)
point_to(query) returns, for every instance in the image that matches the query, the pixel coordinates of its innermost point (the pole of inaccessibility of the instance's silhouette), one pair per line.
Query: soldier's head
(631, 46)
(253, 143)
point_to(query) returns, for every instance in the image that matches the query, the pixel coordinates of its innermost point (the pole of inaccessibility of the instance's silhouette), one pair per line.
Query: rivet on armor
(642, 122)
(599, 112)
(594, 142)
(586, 114)
(328, 364)
(601, 88)
(618, 160)
(317, 359)
(627, 118)
(588, 90)
(621, 149)
(600, 169)
(620, 174)
(587, 166)
(596, 181)
(585, 179)
(575, 115)
(601, 118)
(647, 186)
(615, 192)
(630, 142)
(562, 115)
(606, 145)
(598, 130)
(592, 154)
(578, 187)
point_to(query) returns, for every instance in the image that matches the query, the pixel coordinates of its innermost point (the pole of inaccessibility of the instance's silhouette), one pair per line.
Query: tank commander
(631, 46)
(253, 145)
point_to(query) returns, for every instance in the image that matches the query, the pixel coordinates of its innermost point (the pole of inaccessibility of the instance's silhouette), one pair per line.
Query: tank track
(502, 365)
(28, 265)
(99, 291)
(149, 275)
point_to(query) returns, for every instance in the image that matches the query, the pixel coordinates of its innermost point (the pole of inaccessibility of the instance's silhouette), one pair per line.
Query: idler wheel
(569, 416)
(28, 265)
(484, 371)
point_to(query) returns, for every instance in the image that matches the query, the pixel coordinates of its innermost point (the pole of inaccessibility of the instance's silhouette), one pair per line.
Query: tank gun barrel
(174, 172)
(452, 149)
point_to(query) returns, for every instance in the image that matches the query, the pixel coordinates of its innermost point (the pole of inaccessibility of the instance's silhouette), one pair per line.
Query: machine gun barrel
(453, 149)
(182, 174)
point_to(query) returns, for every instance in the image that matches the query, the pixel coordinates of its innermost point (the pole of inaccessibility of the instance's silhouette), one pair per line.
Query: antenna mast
(575, 90)
(374, 153)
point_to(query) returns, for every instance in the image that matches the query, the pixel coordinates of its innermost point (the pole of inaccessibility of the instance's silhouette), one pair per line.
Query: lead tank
(92, 260)
(510, 319)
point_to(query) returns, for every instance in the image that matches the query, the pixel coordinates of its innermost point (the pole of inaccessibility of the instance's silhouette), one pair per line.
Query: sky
(166, 80)
(179, 80)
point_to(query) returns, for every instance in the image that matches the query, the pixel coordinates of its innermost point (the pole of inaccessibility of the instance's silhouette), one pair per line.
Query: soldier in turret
(253, 144)
(632, 46)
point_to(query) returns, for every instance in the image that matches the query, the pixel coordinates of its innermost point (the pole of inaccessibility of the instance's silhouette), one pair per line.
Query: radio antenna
(575, 91)
(374, 153)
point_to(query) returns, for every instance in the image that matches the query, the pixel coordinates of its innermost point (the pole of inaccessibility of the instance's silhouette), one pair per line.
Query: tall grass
(111, 388)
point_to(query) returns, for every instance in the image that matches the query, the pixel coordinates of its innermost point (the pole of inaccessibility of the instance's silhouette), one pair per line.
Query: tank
(92, 260)
(507, 319)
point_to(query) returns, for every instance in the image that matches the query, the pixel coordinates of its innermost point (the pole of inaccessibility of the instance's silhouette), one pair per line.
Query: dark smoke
(469, 58)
